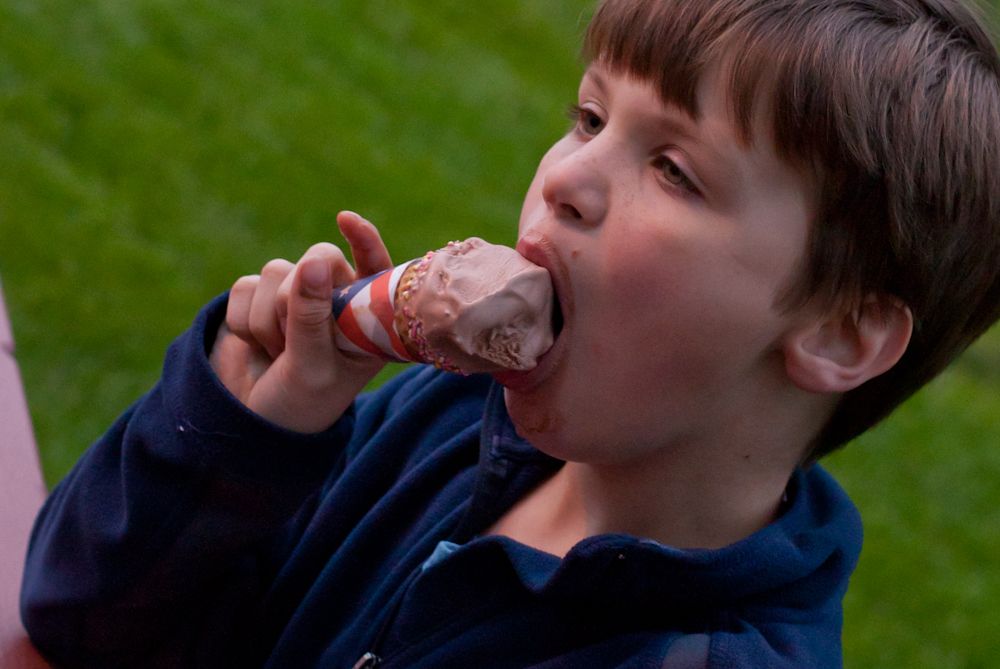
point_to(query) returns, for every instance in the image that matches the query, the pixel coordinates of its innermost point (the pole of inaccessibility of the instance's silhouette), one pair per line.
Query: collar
(810, 550)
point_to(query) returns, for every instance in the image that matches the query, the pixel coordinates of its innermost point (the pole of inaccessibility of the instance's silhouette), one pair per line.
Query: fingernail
(315, 274)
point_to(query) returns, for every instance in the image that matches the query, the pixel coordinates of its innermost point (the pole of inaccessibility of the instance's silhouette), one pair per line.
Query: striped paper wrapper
(365, 311)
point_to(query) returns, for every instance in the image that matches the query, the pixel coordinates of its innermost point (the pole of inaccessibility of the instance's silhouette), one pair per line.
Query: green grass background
(152, 151)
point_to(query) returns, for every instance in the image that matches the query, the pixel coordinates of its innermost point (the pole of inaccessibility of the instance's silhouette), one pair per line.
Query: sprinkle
(414, 327)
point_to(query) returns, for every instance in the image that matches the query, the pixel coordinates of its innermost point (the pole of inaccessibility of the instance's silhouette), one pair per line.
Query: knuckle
(240, 298)
(276, 268)
(237, 326)
(246, 283)
(313, 314)
(281, 298)
(259, 331)
(264, 333)
(334, 256)
(325, 249)
(236, 318)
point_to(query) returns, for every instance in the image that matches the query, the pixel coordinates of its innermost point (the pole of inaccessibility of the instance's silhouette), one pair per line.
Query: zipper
(370, 660)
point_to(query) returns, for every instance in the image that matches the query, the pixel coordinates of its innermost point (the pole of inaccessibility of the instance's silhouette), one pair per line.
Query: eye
(674, 175)
(585, 120)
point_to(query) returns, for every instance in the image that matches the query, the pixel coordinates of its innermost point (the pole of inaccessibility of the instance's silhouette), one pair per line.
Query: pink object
(479, 307)
(22, 492)
(469, 307)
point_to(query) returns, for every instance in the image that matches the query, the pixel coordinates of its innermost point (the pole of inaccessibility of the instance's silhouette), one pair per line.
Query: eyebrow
(722, 171)
(679, 127)
(597, 78)
(718, 169)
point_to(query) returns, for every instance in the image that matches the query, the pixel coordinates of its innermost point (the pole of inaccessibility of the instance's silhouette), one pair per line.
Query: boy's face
(668, 243)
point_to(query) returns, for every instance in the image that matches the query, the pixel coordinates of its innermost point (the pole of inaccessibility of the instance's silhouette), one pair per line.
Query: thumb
(308, 334)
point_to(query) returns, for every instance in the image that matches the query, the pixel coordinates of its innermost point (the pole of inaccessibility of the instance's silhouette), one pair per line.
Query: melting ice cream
(469, 307)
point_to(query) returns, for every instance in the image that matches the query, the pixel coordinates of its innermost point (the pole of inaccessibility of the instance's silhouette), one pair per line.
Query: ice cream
(469, 307)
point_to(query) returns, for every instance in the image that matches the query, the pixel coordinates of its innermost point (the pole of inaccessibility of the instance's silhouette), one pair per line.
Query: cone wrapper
(365, 311)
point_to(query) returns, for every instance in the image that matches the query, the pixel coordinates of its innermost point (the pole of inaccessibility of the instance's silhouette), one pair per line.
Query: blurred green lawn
(152, 151)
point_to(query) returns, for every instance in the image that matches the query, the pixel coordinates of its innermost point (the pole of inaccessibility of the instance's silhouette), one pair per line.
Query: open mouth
(527, 380)
(557, 317)
(539, 250)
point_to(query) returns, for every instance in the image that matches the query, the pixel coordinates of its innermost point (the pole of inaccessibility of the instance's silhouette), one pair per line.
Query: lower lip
(528, 380)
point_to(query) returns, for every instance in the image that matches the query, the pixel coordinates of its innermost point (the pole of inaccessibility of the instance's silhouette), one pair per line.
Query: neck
(699, 493)
(679, 501)
(721, 483)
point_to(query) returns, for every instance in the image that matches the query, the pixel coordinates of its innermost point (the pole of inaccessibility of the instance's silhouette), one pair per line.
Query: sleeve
(153, 550)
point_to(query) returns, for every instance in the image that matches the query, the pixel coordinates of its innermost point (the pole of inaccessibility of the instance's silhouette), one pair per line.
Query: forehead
(772, 54)
(706, 94)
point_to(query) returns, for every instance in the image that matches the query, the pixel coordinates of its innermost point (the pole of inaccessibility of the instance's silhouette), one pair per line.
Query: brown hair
(893, 106)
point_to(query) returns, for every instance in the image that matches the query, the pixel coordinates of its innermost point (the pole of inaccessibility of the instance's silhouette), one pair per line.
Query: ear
(839, 351)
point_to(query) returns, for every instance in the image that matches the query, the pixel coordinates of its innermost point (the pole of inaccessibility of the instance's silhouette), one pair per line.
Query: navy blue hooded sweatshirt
(196, 534)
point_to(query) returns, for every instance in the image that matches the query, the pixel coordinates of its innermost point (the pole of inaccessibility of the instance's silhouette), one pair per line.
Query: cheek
(642, 283)
(678, 310)
(637, 335)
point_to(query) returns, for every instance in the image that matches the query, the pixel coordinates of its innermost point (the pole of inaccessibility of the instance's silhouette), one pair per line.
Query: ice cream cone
(469, 307)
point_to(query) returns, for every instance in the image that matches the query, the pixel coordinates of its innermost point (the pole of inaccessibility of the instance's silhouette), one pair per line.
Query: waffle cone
(401, 321)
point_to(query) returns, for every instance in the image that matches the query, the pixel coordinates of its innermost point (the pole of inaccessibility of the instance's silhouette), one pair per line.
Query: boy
(771, 222)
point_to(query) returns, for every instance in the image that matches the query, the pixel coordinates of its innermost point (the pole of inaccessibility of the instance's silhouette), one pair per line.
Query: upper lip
(540, 250)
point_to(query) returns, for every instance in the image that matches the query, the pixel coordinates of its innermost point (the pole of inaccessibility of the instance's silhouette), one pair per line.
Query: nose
(576, 186)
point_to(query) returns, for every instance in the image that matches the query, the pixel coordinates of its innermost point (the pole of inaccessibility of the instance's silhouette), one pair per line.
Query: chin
(546, 428)
(535, 420)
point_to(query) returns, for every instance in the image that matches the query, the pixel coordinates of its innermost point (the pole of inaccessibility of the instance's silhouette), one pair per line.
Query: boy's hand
(276, 352)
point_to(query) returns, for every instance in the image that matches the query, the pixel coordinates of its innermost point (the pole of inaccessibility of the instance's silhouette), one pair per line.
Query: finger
(309, 328)
(367, 248)
(341, 272)
(263, 323)
(237, 363)
(238, 308)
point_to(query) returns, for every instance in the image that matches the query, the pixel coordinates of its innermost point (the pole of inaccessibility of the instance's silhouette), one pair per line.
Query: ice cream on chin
(469, 307)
